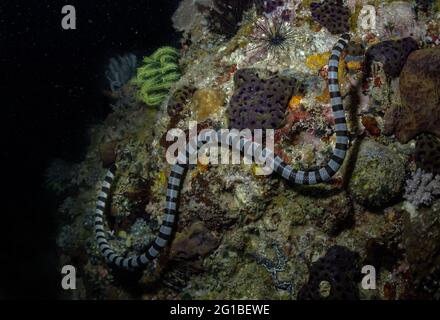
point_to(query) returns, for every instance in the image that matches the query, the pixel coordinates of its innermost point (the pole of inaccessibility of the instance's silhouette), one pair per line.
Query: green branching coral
(157, 75)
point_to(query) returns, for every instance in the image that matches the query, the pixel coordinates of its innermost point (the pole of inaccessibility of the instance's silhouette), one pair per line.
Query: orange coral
(295, 102)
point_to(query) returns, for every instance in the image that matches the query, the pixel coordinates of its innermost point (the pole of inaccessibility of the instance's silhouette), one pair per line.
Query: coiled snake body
(246, 146)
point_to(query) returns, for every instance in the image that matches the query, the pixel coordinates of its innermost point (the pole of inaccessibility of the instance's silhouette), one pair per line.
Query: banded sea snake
(177, 172)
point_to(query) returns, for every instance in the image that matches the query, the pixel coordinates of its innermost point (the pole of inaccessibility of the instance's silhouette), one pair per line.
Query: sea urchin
(272, 36)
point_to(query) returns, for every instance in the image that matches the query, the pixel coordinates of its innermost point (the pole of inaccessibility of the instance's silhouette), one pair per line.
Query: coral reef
(225, 15)
(269, 6)
(422, 188)
(420, 96)
(187, 14)
(157, 74)
(239, 234)
(207, 102)
(120, 70)
(378, 175)
(331, 14)
(391, 54)
(272, 36)
(195, 242)
(424, 5)
(260, 103)
(179, 100)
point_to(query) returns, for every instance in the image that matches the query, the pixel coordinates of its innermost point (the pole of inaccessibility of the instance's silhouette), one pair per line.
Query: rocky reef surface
(241, 235)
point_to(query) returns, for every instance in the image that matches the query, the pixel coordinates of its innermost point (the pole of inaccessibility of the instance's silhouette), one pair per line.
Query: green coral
(378, 176)
(158, 73)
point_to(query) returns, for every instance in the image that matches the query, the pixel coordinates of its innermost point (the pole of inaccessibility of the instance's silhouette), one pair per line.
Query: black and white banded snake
(324, 174)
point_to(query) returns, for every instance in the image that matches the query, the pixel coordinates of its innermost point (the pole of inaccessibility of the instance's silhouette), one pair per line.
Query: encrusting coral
(331, 14)
(157, 75)
(378, 176)
(260, 103)
(207, 102)
(392, 54)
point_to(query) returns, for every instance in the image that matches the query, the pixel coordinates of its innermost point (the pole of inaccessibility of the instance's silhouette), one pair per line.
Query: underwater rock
(107, 152)
(186, 15)
(260, 103)
(238, 286)
(337, 213)
(378, 175)
(424, 5)
(207, 102)
(391, 54)
(427, 153)
(398, 20)
(179, 99)
(371, 125)
(269, 6)
(421, 241)
(338, 272)
(355, 49)
(225, 15)
(420, 95)
(192, 243)
(207, 201)
(331, 14)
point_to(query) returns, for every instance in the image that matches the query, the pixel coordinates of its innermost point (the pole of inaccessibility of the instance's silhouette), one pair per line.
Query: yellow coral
(294, 102)
(206, 102)
(324, 97)
(354, 65)
(122, 234)
(202, 168)
(257, 170)
(318, 61)
(162, 178)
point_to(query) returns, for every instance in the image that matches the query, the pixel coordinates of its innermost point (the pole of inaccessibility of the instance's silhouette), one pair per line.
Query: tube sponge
(157, 74)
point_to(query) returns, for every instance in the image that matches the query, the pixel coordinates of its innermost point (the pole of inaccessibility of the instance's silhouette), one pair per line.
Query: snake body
(246, 146)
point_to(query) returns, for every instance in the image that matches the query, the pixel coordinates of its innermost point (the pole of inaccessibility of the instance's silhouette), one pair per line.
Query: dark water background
(51, 83)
